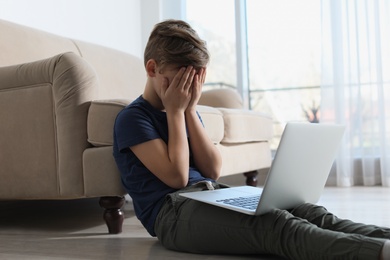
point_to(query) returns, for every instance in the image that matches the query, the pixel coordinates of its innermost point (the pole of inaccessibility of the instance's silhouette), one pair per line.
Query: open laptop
(297, 175)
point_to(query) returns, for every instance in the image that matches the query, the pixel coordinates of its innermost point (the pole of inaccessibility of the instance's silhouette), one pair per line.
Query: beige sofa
(58, 101)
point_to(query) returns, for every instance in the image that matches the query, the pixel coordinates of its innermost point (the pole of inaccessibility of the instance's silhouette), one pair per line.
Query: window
(283, 46)
(215, 22)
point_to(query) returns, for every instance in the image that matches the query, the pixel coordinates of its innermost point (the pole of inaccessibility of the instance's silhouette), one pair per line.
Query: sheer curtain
(355, 87)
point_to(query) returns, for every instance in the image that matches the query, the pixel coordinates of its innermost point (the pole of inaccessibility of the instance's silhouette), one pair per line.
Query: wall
(115, 23)
(154, 11)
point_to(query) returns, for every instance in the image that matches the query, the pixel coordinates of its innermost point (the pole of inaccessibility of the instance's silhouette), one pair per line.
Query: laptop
(297, 175)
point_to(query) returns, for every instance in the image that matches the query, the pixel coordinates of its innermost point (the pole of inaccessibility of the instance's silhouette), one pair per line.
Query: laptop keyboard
(250, 202)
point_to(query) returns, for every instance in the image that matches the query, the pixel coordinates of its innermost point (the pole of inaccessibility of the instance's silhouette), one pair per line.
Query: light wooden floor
(75, 229)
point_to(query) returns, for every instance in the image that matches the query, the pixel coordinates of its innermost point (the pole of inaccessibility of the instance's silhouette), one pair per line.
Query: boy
(162, 149)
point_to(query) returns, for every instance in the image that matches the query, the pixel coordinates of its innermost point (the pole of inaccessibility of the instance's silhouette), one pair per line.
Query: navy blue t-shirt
(139, 122)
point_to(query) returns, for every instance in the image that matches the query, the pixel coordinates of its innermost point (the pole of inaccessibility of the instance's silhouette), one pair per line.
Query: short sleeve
(133, 127)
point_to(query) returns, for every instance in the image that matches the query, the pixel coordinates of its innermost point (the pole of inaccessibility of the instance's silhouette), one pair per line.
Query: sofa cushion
(102, 115)
(244, 157)
(121, 75)
(245, 126)
(213, 122)
(21, 44)
(221, 97)
(101, 119)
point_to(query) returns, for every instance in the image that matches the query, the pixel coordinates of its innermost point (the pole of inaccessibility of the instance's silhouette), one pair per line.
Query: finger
(200, 78)
(191, 89)
(178, 77)
(190, 80)
(196, 79)
(200, 82)
(164, 86)
(203, 78)
(196, 84)
(187, 76)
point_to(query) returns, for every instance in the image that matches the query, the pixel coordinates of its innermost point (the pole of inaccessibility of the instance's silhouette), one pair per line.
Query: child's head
(174, 42)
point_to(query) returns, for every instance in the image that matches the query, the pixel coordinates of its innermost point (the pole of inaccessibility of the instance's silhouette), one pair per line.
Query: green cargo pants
(306, 232)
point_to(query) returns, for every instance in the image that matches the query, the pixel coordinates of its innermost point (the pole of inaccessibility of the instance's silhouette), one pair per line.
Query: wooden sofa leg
(251, 178)
(113, 214)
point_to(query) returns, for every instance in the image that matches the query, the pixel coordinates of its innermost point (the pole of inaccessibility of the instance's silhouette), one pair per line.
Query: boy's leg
(319, 216)
(196, 227)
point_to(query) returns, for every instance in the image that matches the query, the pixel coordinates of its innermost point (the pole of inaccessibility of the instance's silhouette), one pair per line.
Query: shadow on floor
(53, 215)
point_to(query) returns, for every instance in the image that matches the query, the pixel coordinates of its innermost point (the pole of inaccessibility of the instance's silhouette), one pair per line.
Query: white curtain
(355, 87)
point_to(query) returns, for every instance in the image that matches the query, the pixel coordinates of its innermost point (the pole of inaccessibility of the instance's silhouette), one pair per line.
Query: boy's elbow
(180, 181)
(215, 175)
(178, 184)
(211, 173)
(216, 170)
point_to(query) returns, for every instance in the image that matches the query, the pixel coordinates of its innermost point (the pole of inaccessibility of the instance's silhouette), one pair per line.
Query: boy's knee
(308, 209)
(315, 214)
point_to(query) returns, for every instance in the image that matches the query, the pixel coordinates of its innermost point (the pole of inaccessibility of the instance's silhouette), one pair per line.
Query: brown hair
(174, 42)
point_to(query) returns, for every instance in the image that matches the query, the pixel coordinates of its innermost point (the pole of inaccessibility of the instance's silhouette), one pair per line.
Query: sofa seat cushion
(244, 157)
(101, 119)
(243, 126)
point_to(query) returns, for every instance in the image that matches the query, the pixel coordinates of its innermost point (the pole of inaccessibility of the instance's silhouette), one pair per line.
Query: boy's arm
(206, 156)
(166, 162)
(169, 162)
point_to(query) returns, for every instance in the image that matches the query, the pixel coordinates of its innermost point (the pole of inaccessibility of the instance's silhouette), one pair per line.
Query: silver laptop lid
(301, 165)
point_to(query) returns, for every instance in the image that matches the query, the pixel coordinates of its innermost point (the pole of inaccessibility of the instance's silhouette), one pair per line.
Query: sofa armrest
(43, 110)
(101, 119)
(222, 97)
